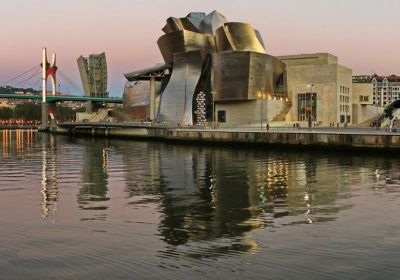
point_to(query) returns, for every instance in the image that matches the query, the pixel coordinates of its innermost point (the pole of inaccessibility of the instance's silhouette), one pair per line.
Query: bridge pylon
(48, 70)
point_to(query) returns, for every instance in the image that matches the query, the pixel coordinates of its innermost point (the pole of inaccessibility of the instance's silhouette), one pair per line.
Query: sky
(364, 34)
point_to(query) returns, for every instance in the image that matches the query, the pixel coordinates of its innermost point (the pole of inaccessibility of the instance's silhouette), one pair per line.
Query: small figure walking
(267, 127)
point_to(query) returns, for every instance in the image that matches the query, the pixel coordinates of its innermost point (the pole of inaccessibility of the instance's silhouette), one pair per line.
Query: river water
(110, 209)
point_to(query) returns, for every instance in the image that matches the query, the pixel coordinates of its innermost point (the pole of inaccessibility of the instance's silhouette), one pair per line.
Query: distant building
(364, 111)
(93, 71)
(386, 89)
(320, 89)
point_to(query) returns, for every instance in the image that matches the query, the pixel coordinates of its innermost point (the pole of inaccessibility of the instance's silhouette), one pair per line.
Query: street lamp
(311, 87)
(262, 96)
(213, 108)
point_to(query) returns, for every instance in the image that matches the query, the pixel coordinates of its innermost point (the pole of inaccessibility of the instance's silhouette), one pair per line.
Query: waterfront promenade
(276, 136)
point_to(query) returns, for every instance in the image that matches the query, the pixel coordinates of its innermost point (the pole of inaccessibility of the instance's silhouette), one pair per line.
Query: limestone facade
(319, 88)
(248, 113)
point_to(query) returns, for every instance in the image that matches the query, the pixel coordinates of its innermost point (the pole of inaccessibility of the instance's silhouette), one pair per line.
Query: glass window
(307, 106)
(221, 116)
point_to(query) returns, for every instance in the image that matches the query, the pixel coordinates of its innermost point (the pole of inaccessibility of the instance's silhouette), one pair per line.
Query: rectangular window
(307, 106)
(221, 116)
(342, 118)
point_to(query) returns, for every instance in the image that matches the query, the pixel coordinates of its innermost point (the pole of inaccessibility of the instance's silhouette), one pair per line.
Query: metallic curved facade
(240, 75)
(205, 53)
(184, 41)
(238, 36)
(176, 106)
(138, 93)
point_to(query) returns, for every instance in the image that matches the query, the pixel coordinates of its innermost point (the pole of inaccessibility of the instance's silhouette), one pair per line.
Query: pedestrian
(267, 127)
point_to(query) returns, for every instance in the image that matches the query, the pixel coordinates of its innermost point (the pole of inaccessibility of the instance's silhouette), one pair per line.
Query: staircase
(282, 115)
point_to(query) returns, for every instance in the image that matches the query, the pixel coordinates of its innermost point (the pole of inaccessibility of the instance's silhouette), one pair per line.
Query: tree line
(33, 112)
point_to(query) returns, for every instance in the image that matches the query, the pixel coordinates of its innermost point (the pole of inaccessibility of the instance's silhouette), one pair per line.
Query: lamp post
(213, 108)
(262, 96)
(311, 87)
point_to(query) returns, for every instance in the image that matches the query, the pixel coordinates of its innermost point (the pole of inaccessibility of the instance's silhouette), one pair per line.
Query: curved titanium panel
(231, 75)
(239, 75)
(196, 19)
(260, 39)
(221, 41)
(242, 37)
(138, 93)
(184, 41)
(275, 70)
(176, 105)
(212, 22)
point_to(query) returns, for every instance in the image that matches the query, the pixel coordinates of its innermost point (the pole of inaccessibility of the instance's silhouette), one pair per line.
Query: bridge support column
(45, 118)
(152, 114)
(89, 107)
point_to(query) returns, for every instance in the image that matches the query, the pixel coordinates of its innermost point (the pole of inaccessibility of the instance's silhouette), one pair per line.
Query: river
(114, 209)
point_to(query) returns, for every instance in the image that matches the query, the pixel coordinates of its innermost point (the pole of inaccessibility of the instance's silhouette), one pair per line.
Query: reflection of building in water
(49, 187)
(93, 192)
(270, 176)
(147, 159)
(201, 202)
(210, 194)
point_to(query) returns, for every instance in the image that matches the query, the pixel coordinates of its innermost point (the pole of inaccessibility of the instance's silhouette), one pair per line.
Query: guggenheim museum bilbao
(219, 72)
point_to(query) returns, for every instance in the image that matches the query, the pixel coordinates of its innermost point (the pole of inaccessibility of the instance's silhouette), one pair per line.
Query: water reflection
(17, 141)
(49, 189)
(214, 194)
(207, 202)
(93, 192)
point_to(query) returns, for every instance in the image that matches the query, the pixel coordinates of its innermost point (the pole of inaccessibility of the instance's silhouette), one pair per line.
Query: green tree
(6, 113)
(28, 111)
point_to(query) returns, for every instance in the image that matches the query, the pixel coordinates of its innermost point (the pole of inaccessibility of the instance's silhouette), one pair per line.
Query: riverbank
(2, 127)
(325, 138)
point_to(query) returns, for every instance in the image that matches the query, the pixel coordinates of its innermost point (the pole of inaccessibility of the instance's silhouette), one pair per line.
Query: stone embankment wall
(290, 138)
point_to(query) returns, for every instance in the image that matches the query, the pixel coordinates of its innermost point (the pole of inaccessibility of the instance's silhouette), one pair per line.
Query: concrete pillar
(45, 119)
(152, 97)
(89, 107)
(44, 65)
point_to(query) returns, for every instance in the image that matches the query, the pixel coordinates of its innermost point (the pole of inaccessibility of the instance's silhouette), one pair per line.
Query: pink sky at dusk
(362, 33)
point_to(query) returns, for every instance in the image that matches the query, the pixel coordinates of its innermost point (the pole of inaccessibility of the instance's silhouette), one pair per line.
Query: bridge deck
(61, 98)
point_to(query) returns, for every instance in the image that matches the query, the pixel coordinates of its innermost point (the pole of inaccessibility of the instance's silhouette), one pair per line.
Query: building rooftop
(308, 59)
(144, 74)
(391, 78)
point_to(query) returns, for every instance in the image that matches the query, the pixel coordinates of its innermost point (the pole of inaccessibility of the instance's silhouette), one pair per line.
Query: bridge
(62, 98)
(32, 77)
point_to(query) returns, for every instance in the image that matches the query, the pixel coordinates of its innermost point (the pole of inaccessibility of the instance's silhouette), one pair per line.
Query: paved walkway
(322, 130)
(276, 129)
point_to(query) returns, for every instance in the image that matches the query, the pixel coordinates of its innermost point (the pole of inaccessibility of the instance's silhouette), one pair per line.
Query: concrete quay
(325, 138)
(13, 127)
